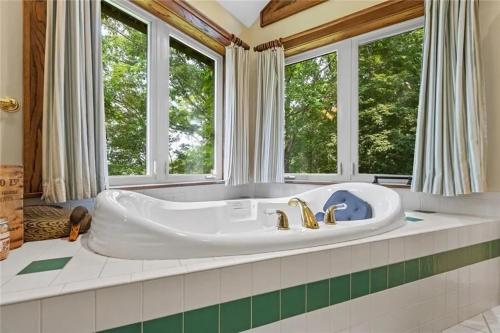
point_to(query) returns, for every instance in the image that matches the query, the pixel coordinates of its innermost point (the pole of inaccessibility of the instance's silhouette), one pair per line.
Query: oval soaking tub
(135, 226)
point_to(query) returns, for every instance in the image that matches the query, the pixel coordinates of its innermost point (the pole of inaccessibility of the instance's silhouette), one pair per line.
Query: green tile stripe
(132, 328)
(412, 219)
(242, 314)
(45, 265)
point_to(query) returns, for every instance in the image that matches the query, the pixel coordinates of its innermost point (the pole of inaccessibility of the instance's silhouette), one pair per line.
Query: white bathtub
(134, 226)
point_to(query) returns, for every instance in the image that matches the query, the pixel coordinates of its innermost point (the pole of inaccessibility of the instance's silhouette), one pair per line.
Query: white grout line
(486, 322)
(103, 266)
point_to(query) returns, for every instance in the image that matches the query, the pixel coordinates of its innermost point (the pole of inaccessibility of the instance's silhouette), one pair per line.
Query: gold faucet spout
(308, 218)
(330, 213)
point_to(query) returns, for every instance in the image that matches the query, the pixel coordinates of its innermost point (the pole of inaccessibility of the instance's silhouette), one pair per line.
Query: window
(311, 115)
(125, 67)
(351, 107)
(162, 100)
(191, 112)
(389, 82)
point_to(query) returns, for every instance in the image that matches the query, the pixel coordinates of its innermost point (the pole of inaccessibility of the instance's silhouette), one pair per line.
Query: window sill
(165, 185)
(306, 182)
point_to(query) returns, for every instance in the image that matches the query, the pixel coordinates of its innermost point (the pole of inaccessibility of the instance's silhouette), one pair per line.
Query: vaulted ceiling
(244, 10)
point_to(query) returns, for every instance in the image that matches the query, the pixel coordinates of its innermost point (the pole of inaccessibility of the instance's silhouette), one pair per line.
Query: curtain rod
(268, 45)
(239, 42)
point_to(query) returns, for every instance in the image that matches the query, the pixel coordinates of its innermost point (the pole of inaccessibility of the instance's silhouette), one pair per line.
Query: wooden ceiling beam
(372, 18)
(277, 10)
(189, 20)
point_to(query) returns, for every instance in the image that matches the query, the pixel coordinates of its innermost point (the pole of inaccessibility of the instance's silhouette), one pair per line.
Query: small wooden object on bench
(11, 201)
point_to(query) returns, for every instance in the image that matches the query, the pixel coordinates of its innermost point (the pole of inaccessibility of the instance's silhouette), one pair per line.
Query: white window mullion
(152, 103)
(354, 126)
(344, 102)
(161, 91)
(219, 119)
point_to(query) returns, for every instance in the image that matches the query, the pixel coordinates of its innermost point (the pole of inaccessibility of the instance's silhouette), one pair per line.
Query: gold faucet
(330, 213)
(308, 218)
(282, 220)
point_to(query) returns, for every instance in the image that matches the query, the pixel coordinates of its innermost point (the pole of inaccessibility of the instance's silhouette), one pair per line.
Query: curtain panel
(74, 159)
(451, 133)
(236, 127)
(270, 118)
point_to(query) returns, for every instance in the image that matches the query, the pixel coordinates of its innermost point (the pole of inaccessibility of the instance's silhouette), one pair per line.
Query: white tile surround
(162, 287)
(102, 289)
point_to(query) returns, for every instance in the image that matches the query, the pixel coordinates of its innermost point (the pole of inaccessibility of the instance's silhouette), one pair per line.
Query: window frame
(348, 101)
(343, 96)
(157, 137)
(358, 41)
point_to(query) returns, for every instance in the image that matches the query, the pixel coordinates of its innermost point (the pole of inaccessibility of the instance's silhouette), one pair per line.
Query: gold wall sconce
(9, 104)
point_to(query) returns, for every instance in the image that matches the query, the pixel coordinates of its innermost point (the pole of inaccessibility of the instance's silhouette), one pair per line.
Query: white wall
(323, 13)
(489, 18)
(219, 15)
(11, 81)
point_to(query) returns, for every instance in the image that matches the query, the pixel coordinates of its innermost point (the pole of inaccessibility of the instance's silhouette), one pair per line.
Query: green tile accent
(442, 262)
(132, 328)
(449, 260)
(293, 301)
(412, 219)
(318, 295)
(495, 248)
(265, 308)
(411, 270)
(426, 267)
(360, 284)
(477, 253)
(340, 289)
(204, 320)
(235, 316)
(243, 314)
(45, 265)
(169, 324)
(378, 279)
(396, 274)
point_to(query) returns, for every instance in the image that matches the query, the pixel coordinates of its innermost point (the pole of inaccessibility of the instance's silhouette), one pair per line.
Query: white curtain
(73, 112)
(270, 117)
(450, 143)
(236, 165)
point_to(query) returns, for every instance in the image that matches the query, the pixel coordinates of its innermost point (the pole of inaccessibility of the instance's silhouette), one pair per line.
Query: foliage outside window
(389, 83)
(311, 115)
(125, 67)
(354, 105)
(191, 113)
(161, 95)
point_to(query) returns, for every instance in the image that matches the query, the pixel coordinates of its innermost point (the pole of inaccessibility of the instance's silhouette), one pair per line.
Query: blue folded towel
(357, 208)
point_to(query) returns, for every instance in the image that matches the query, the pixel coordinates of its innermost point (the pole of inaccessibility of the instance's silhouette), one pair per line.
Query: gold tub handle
(9, 104)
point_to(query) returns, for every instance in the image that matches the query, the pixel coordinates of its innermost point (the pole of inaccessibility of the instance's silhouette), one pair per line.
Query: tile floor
(487, 322)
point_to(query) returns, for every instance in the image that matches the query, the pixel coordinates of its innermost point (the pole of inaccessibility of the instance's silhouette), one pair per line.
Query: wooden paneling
(277, 10)
(11, 201)
(34, 13)
(373, 18)
(182, 16)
